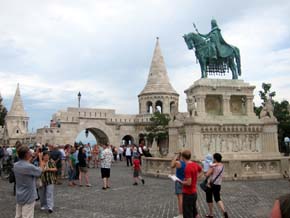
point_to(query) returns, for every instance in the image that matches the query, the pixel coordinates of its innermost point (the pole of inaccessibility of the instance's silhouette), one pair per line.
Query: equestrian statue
(214, 54)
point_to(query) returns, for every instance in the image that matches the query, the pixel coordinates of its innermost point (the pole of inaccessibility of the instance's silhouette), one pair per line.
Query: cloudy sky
(56, 48)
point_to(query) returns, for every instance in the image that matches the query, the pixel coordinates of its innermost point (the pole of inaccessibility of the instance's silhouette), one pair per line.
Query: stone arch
(127, 139)
(149, 107)
(141, 138)
(159, 106)
(172, 106)
(16, 131)
(98, 129)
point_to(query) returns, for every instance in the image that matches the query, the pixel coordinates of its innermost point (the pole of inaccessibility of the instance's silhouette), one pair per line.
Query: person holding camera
(25, 177)
(180, 166)
(48, 179)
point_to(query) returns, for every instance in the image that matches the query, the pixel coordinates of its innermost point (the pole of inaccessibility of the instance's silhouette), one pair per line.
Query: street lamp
(79, 98)
(87, 133)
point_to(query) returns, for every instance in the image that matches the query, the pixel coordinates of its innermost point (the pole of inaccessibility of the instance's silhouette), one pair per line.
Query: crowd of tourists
(35, 171)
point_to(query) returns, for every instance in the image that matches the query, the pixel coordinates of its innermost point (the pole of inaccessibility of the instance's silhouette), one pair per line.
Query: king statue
(214, 54)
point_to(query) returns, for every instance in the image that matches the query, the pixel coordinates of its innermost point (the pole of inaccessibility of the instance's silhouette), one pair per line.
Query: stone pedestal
(154, 149)
(226, 123)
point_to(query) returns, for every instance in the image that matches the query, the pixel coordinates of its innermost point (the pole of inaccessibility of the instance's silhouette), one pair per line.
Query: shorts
(84, 169)
(178, 188)
(105, 172)
(136, 173)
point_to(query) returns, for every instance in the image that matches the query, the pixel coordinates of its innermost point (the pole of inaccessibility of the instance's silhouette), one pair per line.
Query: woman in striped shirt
(48, 179)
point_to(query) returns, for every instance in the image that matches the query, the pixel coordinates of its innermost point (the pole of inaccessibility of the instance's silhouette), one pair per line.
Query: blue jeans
(46, 196)
(71, 174)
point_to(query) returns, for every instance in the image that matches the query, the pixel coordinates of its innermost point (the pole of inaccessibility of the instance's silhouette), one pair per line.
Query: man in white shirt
(106, 162)
(128, 154)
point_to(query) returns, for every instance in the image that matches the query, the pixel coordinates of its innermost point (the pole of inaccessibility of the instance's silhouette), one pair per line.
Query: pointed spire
(158, 80)
(17, 108)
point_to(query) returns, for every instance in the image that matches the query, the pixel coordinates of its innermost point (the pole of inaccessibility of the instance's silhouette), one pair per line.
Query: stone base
(239, 169)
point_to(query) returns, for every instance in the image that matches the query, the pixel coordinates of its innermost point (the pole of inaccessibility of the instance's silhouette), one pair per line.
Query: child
(207, 164)
(208, 160)
(137, 170)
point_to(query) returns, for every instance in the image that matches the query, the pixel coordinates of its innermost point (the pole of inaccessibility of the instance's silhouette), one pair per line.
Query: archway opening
(159, 106)
(142, 139)
(127, 140)
(93, 136)
(172, 106)
(149, 106)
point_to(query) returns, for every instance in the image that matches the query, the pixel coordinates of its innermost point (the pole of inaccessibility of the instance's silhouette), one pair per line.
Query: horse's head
(188, 40)
(194, 40)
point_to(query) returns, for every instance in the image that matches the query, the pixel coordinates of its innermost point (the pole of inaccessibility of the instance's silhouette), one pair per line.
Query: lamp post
(79, 99)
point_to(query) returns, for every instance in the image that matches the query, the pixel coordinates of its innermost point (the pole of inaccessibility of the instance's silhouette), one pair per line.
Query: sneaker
(179, 216)
(104, 188)
(43, 208)
(143, 181)
(135, 183)
(50, 210)
(89, 185)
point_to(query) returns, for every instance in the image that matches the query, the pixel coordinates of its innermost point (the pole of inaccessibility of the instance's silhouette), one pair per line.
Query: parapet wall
(243, 169)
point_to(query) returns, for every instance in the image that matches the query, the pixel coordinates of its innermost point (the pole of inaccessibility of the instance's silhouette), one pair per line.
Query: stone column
(270, 139)
(200, 104)
(166, 106)
(249, 105)
(154, 150)
(193, 141)
(226, 105)
(173, 140)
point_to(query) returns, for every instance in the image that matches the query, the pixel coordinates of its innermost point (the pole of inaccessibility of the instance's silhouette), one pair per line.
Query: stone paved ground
(243, 199)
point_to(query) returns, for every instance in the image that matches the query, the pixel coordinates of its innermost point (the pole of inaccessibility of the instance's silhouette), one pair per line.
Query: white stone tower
(16, 120)
(158, 93)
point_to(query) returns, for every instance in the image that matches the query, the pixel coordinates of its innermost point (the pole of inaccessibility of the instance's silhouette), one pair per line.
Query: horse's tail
(238, 60)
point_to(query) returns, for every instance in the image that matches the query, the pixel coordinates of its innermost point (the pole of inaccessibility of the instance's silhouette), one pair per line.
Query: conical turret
(16, 121)
(17, 108)
(158, 93)
(158, 81)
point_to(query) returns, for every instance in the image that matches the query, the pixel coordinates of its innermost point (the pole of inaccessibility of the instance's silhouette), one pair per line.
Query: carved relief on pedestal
(248, 168)
(261, 167)
(223, 140)
(213, 104)
(191, 106)
(237, 105)
(273, 167)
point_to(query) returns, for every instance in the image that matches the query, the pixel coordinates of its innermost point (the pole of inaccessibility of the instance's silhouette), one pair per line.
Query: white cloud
(55, 49)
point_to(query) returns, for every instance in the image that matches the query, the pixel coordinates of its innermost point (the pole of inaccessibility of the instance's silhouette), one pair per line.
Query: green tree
(264, 94)
(158, 127)
(281, 112)
(3, 112)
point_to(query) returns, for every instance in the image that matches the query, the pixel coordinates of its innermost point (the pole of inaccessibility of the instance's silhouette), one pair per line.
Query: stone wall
(237, 169)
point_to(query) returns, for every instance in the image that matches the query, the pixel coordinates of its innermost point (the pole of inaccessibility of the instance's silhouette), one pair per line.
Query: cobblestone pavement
(243, 199)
